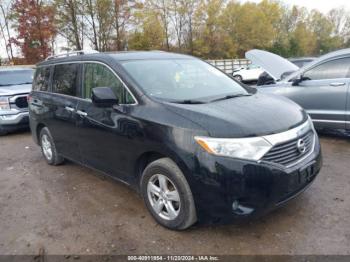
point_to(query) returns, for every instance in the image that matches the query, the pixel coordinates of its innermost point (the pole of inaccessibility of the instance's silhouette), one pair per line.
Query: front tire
(48, 148)
(238, 78)
(167, 195)
(2, 131)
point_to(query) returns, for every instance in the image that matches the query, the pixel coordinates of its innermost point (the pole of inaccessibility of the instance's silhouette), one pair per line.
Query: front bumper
(229, 190)
(10, 122)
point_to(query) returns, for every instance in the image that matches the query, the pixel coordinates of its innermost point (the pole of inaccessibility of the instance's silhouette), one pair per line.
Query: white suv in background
(250, 73)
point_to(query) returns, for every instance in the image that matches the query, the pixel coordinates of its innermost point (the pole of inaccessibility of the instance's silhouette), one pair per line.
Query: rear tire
(48, 148)
(167, 195)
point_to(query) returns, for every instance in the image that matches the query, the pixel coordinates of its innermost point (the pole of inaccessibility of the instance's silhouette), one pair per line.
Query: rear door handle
(81, 113)
(70, 109)
(337, 84)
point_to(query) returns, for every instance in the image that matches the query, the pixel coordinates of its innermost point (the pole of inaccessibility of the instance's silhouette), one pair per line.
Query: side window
(65, 79)
(42, 79)
(97, 75)
(338, 68)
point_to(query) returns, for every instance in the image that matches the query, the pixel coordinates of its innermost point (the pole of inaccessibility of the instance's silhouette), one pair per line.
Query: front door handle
(70, 109)
(81, 113)
(337, 84)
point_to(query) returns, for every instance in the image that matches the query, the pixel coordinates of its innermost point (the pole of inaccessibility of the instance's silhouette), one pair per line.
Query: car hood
(272, 63)
(248, 116)
(15, 89)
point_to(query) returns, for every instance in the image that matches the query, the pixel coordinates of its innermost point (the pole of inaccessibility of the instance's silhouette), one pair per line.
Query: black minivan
(197, 145)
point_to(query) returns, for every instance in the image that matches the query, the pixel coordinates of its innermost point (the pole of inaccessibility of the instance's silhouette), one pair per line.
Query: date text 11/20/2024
(173, 258)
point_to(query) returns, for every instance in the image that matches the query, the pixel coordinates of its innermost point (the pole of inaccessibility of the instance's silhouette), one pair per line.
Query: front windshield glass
(181, 79)
(16, 77)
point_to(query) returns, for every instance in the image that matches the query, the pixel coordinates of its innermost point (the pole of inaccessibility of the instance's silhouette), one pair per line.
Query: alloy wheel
(46, 146)
(163, 197)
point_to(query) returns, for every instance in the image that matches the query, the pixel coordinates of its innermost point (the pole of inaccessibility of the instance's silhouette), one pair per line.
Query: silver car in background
(321, 87)
(15, 85)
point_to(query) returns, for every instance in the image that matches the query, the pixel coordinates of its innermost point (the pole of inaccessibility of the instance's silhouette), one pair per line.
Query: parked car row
(255, 73)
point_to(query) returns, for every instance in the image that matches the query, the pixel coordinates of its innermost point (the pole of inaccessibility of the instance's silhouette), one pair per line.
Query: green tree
(251, 25)
(210, 39)
(323, 29)
(150, 36)
(70, 21)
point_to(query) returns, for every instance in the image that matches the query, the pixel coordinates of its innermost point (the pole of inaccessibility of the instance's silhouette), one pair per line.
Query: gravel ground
(70, 209)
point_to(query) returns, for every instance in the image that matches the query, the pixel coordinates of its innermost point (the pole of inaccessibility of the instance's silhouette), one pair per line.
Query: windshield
(16, 77)
(181, 79)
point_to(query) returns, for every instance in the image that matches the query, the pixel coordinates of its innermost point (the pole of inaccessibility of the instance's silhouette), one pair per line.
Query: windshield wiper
(189, 102)
(24, 83)
(229, 97)
(186, 101)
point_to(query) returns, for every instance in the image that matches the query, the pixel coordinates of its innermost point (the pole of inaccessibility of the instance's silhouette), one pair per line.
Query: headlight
(244, 148)
(311, 124)
(4, 103)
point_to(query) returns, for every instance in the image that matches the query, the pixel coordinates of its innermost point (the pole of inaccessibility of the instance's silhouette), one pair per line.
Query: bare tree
(91, 12)
(178, 19)
(5, 28)
(99, 17)
(70, 17)
(340, 20)
(163, 7)
(122, 13)
(190, 6)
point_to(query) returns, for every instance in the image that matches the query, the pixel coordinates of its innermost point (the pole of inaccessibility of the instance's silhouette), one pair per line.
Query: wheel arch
(38, 129)
(150, 156)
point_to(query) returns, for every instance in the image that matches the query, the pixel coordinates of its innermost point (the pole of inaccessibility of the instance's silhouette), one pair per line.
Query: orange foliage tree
(35, 28)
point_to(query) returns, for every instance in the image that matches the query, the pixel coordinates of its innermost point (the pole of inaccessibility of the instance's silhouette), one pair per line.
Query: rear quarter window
(65, 79)
(42, 79)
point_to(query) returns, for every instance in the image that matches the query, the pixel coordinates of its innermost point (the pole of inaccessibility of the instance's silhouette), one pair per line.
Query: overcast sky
(322, 5)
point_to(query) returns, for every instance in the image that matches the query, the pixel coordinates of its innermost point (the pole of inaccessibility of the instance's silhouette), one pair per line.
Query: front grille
(287, 153)
(21, 102)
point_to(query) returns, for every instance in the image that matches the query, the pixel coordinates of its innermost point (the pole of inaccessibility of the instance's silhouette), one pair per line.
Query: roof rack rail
(78, 52)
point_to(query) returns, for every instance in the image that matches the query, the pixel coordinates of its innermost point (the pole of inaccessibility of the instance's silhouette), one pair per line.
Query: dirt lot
(70, 209)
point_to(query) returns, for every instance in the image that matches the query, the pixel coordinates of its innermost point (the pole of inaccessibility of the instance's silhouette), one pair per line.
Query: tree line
(211, 29)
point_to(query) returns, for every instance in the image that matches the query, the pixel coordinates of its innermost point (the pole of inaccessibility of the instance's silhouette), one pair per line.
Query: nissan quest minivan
(196, 144)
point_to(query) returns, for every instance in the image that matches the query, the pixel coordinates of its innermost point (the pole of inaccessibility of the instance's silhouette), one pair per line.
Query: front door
(106, 135)
(323, 93)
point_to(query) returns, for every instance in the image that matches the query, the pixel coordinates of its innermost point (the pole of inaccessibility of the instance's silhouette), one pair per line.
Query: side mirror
(296, 81)
(103, 97)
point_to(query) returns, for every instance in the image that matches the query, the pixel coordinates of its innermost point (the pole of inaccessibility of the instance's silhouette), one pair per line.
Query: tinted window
(252, 66)
(298, 63)
(42, 78)
(181, 79)
(16, 77)
(97, 75)
(65, 79)
(338, 68)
